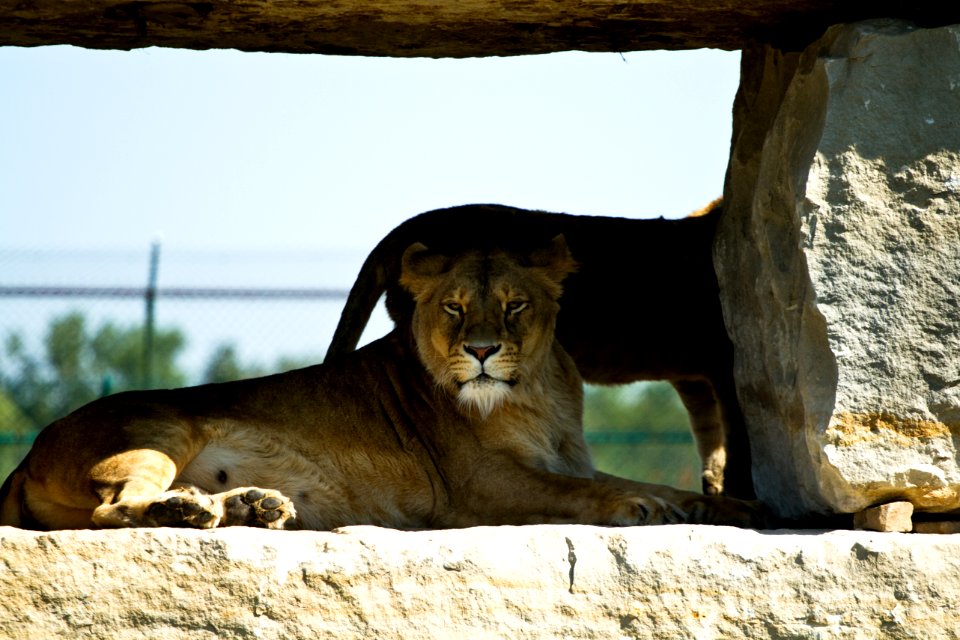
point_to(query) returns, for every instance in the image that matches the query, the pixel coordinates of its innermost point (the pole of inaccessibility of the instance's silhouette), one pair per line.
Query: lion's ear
(419, 265)
(554, 260)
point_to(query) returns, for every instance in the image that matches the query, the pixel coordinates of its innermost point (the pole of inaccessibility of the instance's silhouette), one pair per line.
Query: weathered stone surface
(839, 262)
(457, 29)
(505, 582)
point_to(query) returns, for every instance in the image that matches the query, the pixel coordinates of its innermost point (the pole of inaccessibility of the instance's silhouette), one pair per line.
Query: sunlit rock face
(839, 260)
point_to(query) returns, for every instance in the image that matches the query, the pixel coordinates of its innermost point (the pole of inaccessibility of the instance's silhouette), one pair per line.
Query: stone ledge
(492, 582)
(440, 29)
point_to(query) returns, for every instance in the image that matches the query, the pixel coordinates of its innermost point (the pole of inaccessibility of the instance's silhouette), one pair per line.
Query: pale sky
(321, 156)
(239, 150)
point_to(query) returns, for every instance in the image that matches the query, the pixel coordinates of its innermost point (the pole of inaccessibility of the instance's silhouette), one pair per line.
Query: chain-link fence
(76, 325)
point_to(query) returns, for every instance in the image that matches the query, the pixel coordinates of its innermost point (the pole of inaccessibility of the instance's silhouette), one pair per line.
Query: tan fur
(644, 305)
(398, 434)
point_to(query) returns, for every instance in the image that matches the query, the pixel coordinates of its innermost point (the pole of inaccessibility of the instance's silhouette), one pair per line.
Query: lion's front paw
(255, 507)
(646, 510)
(182, 508)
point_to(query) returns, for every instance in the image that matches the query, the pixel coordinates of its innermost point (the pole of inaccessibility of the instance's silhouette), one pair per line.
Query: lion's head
(484, 321)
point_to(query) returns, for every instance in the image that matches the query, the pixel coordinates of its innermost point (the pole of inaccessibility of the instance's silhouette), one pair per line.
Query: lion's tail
(370, 284)
(11, 497)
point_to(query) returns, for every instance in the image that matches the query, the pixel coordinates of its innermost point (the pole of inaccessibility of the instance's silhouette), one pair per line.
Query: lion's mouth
(485, 379)
(485, 393)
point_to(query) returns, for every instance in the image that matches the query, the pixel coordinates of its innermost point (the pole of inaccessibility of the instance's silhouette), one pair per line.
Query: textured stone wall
(504, 582)
(839, 263)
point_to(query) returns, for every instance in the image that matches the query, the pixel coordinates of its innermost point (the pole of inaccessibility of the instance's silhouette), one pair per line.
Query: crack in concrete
(572, 559)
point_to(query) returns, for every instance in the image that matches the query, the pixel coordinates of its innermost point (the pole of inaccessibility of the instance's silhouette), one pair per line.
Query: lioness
(467, 415)
(643, 306)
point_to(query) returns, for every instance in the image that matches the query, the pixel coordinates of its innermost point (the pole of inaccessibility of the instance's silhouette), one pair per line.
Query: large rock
(839, 263)
(504, 582)
(456, 28)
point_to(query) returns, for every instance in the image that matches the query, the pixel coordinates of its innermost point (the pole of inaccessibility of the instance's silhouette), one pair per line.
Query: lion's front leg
(502, 491)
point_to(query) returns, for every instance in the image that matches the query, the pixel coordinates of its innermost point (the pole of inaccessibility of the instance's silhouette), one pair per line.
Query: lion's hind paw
(255, 507)
(183, 508)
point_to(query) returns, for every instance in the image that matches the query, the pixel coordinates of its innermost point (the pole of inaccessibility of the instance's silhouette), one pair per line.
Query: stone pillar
(839, 266)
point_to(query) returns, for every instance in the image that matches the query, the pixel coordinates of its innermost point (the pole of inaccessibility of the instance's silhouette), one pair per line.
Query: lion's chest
(538, 441)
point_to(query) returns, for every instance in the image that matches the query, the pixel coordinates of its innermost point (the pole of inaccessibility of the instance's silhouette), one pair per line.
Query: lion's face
(484, 322)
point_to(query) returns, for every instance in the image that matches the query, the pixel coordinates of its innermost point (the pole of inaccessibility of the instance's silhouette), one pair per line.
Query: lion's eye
(516, 306)
(453, 308)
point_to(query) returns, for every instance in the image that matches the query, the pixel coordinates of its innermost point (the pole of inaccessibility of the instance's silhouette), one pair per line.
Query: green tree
(224, 365)
(116, 355)
(78, 365)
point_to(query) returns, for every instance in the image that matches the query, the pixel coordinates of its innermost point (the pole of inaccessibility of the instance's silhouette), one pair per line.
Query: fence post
(149, 321)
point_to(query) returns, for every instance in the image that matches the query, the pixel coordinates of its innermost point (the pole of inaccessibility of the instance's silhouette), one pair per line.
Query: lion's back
(643, 304)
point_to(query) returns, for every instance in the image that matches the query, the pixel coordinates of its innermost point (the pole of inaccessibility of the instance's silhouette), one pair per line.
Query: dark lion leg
(720, 434)
(708, 431)
(739, 469)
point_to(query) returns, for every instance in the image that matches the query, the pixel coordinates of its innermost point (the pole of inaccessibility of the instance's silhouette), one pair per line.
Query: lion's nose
(481, 353)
